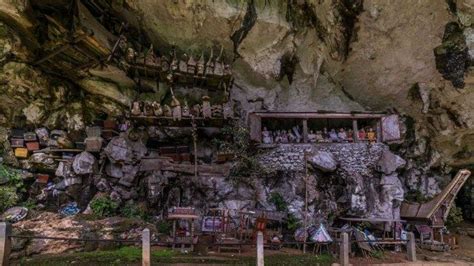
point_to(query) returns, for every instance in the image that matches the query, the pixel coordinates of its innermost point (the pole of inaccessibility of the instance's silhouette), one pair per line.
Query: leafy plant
(454, 216)
(378, 254)
(279, 202)
(8, 197)
(13, 176)
(30, 204)
(104, 207)
(292, 223)
(416, 196)
(132, 210)
(163, 227)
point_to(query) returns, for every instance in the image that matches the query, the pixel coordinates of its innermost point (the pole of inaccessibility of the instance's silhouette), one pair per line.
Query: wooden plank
(59, 50)
(309, 115)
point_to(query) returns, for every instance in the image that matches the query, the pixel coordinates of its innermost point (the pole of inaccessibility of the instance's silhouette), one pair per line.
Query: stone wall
(352, 157)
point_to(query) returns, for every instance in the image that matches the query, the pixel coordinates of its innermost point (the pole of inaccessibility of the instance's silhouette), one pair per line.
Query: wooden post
(174, 234)
(260, 258)
(305, 131)
(411, 247)
(192, 234)
(355, 128)
(194, 133)
(379, 130)
(146, 249)
(305, 222)
(5, 243)
(344, 250)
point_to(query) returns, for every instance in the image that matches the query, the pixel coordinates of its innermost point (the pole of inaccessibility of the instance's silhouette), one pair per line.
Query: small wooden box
(80, 145)
(30, 136)
(185, 157)
(17, 143)
(33, 146)
(17, 133)
(52, 143)
(21, 153)
(93, 144)
(93, 131)
(42, 179)
(110, 124)
(109, 134)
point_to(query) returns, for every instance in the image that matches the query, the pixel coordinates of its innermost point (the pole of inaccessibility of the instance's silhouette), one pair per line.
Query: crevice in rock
(452, 6)
(349, 11)
(288, 64)
(347, 94)
(452, 57)
(303, 15)
(248, 22)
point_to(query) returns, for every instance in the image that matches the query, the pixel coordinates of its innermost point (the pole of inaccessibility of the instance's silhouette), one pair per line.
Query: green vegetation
(454, 216)
(416, 196)
(10, 192)
(104, 207)
(378, 254)
(279, 202)
(132, 256)
(132, 210)
(164, 227)
(13, 176)
(8, 197)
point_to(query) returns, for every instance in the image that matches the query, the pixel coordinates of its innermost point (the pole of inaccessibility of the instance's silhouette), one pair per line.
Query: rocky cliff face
(414, 58)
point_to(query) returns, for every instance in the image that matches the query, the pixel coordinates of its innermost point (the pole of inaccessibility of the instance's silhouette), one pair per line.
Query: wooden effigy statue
(196, 110)
(136, 108)
(200, 67)
(216, 110)
(206, 107)
(175, 109)
(183, 63)
(157, 110)
(167, 111)
(148, 109)
(185, 110)
(191, 67)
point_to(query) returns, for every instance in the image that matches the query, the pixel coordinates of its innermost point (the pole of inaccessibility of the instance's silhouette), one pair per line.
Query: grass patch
(132, 256)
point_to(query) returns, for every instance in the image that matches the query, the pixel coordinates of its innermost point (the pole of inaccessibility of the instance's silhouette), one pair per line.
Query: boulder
(119, 150)
(324, 161)
(389, 162)
(84, 163)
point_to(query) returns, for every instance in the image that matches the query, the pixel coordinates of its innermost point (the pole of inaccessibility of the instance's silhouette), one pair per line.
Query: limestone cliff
(410, 57)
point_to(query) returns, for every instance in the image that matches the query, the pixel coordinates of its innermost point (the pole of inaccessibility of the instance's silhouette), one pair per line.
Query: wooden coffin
(42, 178)
(224, 157)
(21, 153)
(33, 146)
(17, 143)
(30, 136)
(93, 144)
(110, 124)
(17, 133)
(93, 132)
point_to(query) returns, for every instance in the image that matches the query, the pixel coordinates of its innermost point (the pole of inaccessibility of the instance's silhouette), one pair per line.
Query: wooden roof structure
(436, 210)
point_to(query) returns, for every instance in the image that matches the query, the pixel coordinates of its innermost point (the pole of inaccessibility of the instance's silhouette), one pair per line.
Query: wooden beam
(60, 50)
(310, 115)
(305, 131)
